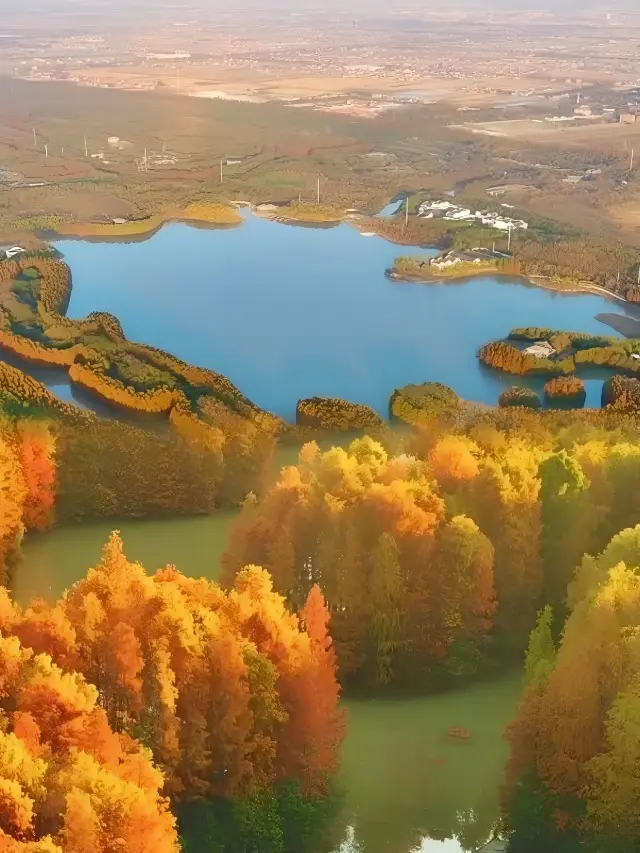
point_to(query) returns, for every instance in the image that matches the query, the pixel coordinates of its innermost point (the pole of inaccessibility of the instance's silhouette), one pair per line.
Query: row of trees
(517, 396)
(573, 776)
(233, 696)
(27, 485)
(610, 265)
(335, 415)
(88, 468)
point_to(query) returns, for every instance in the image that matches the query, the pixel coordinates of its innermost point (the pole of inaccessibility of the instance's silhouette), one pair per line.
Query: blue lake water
(288, 312)
(391, 209)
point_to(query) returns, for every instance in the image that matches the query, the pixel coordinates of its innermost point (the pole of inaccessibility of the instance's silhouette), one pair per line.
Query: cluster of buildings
(453, 259)
(630, 116)
(453, 212)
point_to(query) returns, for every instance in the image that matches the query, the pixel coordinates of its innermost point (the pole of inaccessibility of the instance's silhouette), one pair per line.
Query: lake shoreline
(196, 215)
(444, 279)
(374, 257)
(542, 282)
(357, 219)
(400, 737)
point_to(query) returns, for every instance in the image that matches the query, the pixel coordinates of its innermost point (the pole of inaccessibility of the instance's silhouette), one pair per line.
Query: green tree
(613, 795)
(386, 599)
(541, 651)
(566, 522)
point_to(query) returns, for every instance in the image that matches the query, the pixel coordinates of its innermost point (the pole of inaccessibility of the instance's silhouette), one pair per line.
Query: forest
(609, 264)
(173, 713)
(151, 711)
(177, 713)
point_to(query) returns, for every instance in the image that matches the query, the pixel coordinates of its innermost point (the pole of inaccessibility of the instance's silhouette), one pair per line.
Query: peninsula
(453, 265)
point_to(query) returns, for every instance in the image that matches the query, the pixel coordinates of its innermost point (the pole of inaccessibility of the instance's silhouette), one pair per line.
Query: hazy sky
(93, 6)
(119, 10)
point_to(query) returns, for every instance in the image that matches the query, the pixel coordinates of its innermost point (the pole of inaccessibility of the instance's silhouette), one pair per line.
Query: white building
(10, 252)
(454, 213)
(541, 349)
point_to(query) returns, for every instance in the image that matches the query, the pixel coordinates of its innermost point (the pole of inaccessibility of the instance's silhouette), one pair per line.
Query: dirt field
(194, 79)
(606, 136)
(627, 219)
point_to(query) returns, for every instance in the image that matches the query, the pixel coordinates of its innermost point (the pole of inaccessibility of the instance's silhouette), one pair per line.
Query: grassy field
(309, 212)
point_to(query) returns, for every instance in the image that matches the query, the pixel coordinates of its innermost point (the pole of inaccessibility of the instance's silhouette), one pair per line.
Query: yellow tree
(67, 780)
(13, 492)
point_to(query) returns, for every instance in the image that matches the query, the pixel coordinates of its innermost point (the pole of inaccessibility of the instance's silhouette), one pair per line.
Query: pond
(288, 312)
(407, 786)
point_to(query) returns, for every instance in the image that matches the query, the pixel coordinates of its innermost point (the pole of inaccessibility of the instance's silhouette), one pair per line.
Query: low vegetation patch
(308, 212)
(622, 393)
(568, 388)
(413, 266)
(336, 415)
(218, 214)
(420, 404)
(517, 396)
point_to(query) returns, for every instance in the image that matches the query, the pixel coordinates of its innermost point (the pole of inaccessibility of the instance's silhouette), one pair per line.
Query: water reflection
(407, 785)
(455, 844)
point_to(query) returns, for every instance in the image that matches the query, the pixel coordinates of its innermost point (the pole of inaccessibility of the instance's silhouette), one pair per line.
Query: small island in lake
(531, 351)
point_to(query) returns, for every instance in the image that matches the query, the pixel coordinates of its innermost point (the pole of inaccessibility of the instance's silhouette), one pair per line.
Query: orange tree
(67, 781)
(235, 695)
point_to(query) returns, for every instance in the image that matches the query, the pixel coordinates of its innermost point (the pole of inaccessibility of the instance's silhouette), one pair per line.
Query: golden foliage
(565, 386)
(229, 690)
(423, 404)
(336, 415)
(219, 214)
(371, 530)
(158, 400)
(503, 356)
(34, 351)
(65, 777)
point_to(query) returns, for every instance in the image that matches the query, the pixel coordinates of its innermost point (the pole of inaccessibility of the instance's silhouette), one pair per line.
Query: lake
(407, 786)
(288, 312)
